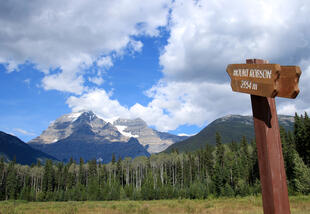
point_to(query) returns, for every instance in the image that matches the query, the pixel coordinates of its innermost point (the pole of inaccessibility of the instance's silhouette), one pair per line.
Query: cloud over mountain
(65, 39)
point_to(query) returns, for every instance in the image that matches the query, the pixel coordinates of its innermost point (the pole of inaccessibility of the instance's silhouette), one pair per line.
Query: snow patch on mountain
(108, 120)
(185, 135)
(55, 140)
(122, 129)
(74, 115)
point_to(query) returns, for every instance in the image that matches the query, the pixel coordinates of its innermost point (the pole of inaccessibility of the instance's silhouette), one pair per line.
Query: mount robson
(85, 135)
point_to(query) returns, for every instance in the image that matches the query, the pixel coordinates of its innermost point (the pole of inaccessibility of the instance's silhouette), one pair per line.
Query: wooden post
(269, 150)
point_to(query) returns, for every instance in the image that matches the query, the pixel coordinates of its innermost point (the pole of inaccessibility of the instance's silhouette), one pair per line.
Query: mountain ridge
(230, 127)
(12, 147)
(79, 129)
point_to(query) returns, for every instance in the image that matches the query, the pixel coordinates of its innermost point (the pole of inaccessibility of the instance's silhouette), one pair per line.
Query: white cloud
(136, 46)
(179, 103)
(72, 35)
(24, 132)
(207, 35)
(64, 81)
(288, 109)
(105, 62)
(173, 104)
(27, 81)
(96, 80)
(100, 102)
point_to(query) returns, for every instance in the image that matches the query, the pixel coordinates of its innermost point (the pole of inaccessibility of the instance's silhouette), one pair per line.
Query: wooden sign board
(266, 80)
(288, 82)
(256, 79)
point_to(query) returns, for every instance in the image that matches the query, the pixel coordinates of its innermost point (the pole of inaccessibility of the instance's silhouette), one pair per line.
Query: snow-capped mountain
(84, 134)
(154, 141)
(83, 121)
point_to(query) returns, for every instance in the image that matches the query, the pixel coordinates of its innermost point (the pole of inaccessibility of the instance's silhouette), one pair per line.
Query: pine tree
(92, 168)
(24, 194)
(219, 176)
(245, 159)
(119, 171)
(209, 161)
(114, 193)
(300, 134)
(93, 189)
(2, 179)
(301, 180)
(11, 182)
(38, 163)
(82, 179)
(59, 184)
(147, 188)
(113, 159)
(288, 153)
(219, 150)
(71, 179)
(48, 177)
(306, 157)
(228, 191)
(70, 161)
(254, 169)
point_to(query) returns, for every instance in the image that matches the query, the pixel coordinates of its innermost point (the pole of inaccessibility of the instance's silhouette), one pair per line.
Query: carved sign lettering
(266, 80)
(256, 79)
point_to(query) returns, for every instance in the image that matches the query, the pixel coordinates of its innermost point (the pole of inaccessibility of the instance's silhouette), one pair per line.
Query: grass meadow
(246, 205)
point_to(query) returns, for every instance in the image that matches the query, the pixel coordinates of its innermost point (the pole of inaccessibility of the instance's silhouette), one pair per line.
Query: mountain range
(11, 147)
(84, 134)
(231, 128)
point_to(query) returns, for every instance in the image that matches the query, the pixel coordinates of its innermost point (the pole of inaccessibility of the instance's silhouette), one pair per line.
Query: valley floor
(249, 205)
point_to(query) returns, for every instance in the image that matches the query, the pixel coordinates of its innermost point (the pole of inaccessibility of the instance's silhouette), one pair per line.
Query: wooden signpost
(264, 82)
(265, 79)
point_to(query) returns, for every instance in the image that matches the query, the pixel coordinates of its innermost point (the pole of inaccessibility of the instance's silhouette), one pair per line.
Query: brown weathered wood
(282, 83)
(256, 61)
(257, 79)
(288, 81)
(270, 158)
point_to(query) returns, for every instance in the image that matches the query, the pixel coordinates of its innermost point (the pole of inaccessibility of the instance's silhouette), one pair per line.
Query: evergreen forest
(228, 169)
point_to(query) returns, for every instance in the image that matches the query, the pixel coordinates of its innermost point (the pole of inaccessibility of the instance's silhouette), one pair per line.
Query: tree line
(229, 169)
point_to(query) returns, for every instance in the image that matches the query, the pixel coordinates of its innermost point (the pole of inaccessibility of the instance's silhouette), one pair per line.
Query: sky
(163, 61)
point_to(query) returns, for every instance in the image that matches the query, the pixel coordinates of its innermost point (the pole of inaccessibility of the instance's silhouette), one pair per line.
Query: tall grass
(246, 205)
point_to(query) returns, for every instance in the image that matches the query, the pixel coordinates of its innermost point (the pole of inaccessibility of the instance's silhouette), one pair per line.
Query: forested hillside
(231, 127)
(222, 170)
(13, 148)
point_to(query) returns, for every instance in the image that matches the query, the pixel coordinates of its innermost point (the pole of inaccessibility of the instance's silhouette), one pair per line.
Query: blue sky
(163, 61)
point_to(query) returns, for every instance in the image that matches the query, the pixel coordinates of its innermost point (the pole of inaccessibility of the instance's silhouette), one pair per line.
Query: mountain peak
(68, 124)
(88, 126)
(230, 127)
(87, 116)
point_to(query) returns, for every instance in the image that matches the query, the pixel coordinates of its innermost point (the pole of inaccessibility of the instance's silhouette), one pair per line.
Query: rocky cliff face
(81, 123)
(154, 141)
(83, 134)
